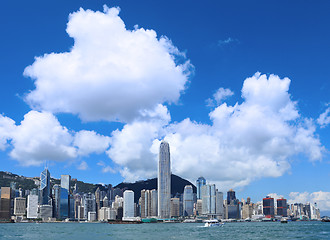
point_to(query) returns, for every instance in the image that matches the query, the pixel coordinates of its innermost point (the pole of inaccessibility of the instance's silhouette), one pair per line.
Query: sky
(239, 89)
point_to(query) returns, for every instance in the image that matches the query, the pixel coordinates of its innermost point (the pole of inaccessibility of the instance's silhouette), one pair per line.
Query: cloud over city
(111, 73)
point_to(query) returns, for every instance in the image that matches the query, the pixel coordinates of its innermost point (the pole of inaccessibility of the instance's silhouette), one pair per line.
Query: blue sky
(214, 47)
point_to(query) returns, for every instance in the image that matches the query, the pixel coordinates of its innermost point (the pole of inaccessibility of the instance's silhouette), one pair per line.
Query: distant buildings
(164, 181)
(5, 206)
(44, 190)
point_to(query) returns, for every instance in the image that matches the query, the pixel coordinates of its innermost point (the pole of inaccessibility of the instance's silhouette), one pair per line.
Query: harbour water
(180, 231)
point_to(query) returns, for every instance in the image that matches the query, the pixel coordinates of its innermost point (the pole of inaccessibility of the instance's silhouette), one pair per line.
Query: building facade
(128, 209)
(164, 181)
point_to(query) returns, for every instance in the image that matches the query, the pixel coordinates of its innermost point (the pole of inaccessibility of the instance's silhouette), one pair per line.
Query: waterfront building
(128, 209)
(64, 203)
(103, 214)
(164, 181)
(219, 210)
(247, 209)
(144, 204)
(44, 190)
(32, 206)
(112, 214)
(5, 204)
(208, 199)
(199, 206)
(88, 202)
(56, 192)
(66, 182)
(281, 207)
(200, 182)
(91, 216)
(45, 212)
(233, 208)
(80, 213)
(188, 200)
(175, 207)
(268, 207)
(19, 206)
(153, 203)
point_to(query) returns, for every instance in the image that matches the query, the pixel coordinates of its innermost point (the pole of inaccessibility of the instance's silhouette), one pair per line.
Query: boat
(284, 220)
(325, 220)
(213, 223)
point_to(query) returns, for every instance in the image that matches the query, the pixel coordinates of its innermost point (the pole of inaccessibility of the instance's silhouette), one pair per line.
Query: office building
(208, 199)
(5, 203)
(128, 209)
(164, 181)
(45, 212)
(200, 182)
(175, 207)
(282, 207)
(19, 206)
(56, 194)
(44, 190)
(268, 207)
(188, 201)
(32, 206)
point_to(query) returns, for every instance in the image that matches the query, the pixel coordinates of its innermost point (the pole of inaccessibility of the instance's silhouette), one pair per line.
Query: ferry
(213, 223)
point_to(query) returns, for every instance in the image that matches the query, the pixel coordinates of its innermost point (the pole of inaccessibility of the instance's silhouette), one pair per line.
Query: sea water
(95, 231)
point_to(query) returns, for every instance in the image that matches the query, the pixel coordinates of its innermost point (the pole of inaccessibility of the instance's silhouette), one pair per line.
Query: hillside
(177, 186)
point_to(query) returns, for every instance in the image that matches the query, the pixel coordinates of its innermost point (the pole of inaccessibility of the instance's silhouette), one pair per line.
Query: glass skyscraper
(44, 191)
(65, 196)
(188, 200)
(164, 181)
(200, 182)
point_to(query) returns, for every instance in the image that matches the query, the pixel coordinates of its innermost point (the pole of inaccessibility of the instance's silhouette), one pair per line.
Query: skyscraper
(128, 209)
(199, 183)
(44, 190)
(188, 200)
(268, 207)
(164, 181)
(5, 207)
(32, 206)
(65, 196)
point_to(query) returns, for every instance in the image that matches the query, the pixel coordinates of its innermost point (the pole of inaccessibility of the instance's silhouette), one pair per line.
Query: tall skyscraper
(5, 207)
(164, 181)
(56, 192)
(65, 196)
(208, 199)
(230, 196)
(281, 207)
(199, 183)
(128, 209)
(44, 190)
(32, 206)
(268, 207)
(188, 201)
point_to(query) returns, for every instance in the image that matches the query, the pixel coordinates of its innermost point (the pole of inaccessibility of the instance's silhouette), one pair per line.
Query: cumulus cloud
(111, 73)
(220, 95)
(7, 126)
(324, 118)
(40, 137)
(106, 168)
(90, 142)
(322, 199)
(245, 141)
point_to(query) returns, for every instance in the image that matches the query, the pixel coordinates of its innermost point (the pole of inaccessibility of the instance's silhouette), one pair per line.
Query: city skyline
(243, 102)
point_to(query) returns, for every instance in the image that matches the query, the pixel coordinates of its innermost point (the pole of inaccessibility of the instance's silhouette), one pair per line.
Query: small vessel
(325, 220)
(284, 220)
(213, 223)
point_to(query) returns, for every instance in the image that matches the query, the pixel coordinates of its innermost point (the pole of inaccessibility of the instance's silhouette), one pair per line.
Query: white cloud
(106, 168)
(228, 41)
(7, 126)
(83, 166)
(41, 137)
(245, 142)
(321, 198)
(324, 118)
(220, 95)
(111, 73)
(90, 142)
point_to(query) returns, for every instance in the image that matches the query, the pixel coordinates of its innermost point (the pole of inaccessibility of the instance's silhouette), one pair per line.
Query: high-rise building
(219, 211)
(45, 212)
(281, 207)
(268, 207)
(88, 202)
(175, 207)
(188, 200)
(56, 192)
(128, 209)
(65, 196)
(164, 181)
(19, 206)
(208, 199)
(154, 203)
(200, 182)
(32, 206)
(199, 207)
(44, 190)
(5, 203)
(230, 196)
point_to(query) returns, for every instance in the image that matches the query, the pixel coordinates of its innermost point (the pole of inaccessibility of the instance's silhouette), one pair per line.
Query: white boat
(213, 223)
